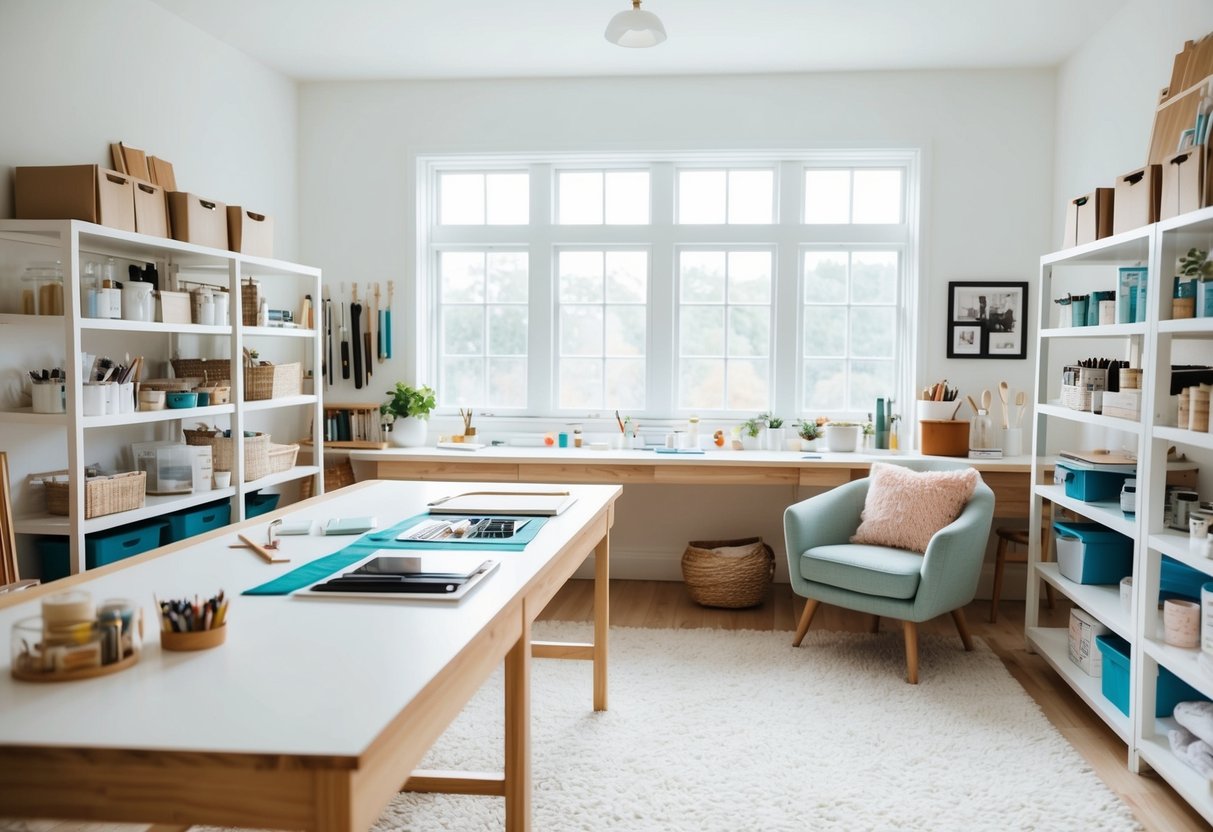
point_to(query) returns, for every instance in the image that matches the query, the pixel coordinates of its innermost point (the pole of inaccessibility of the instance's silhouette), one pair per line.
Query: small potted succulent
(776, 433)
(809, 432)
(751, 433)
(405, 412)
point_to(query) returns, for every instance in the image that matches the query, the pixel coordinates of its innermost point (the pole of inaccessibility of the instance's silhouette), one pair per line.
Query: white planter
(843, 438)
(776, 438)
(751, 443)
(408, 432)
(809, 444)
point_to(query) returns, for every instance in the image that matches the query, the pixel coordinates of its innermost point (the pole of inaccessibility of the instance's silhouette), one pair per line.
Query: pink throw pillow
(904, 508)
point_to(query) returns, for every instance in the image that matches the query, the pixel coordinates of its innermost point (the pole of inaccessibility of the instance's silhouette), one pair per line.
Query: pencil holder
(197, 640)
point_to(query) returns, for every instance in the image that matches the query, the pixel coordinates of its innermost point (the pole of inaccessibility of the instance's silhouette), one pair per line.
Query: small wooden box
(944, 437)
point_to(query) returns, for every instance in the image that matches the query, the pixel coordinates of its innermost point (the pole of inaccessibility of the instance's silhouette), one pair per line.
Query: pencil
(620, 421)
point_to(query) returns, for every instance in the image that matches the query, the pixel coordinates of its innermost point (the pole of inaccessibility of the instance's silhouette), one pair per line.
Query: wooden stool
(1003, 557)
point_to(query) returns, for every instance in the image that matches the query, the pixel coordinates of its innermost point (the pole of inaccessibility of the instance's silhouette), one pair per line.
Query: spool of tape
(68, 607)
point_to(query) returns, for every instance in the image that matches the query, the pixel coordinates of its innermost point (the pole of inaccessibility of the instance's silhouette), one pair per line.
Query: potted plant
(776, 433)
(809, 432)
(751, 429)
(842, 436)
(1193, 269)
(405, 412)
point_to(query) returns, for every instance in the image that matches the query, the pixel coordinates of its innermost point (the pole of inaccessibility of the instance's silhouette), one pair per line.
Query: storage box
(250, 233)
(1138, 196)
(190, 522)
(944, 437)
(1125, 404)
(169, 466)
(173, 307)
(196, 220)
(1178, 580)
(1089, 484)
(1204, 299)
(257, 503)
(1182, 179)
(1083, 652)
(1089, 217)
(75, 192)
(1088, 553)
(151, 209)
(120, 543)
(1131, 277)
(1170, 690)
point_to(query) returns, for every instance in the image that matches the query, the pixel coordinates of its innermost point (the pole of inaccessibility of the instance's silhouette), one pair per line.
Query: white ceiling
(390, 39)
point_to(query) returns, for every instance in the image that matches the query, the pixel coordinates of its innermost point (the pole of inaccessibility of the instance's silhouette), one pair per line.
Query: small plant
(1196, 264)
(408, 401)
(774, 422)
(808, 431)
(869, 429)
(752, 427)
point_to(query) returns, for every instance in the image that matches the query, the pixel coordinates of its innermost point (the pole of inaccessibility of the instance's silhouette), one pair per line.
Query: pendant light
(635, 28)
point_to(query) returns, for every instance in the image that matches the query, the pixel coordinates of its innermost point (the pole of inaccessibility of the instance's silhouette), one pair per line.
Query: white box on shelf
(1083, 651)
(169, 466)
(1124, 404)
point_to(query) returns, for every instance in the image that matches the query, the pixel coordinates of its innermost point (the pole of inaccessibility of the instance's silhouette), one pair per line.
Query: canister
(138, 304)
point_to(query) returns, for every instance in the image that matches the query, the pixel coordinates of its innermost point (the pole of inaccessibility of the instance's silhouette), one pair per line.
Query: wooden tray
(73, 675)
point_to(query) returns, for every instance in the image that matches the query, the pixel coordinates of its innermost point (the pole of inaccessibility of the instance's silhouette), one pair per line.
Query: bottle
(693, 432)
(90, 285)
(981, 432)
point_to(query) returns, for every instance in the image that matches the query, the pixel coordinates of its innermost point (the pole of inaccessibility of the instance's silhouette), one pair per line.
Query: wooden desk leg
(602, 619)
(518, 732)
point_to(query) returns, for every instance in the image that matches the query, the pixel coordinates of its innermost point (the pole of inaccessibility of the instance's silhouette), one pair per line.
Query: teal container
(1114, 682)
(194, 521)
(56, 558)
(257, 503)
(118, 544)
(1078, 310)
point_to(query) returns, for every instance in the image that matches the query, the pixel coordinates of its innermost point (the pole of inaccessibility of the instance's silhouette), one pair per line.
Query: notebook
(349, 525)
(523, 503)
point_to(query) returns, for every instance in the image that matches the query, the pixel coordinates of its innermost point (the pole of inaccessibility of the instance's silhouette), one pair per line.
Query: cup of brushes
(193, 625)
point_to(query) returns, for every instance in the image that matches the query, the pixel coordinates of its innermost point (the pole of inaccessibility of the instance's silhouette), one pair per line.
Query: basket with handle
(728, 573)
(102, 495)
(210, 370)
(256, 455)
(200, 435)
(282, 457)
(272, 381)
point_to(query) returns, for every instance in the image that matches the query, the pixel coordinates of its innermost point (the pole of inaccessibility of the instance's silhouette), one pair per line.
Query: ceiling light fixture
(635, 28)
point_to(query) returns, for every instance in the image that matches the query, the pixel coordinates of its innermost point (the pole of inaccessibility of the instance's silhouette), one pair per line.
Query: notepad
(523, 503)
(303, 526)
(349, 525)
(461, 446)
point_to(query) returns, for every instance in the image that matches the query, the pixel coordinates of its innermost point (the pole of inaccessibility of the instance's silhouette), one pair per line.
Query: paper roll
(1181, 623)
(68, 608)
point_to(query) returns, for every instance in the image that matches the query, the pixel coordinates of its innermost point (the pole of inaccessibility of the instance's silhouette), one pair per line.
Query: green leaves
(408, 401)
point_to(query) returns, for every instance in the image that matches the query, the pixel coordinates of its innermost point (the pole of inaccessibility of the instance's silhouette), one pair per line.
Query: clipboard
(519, 503)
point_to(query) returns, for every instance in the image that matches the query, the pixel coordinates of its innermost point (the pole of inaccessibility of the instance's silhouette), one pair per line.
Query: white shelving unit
(72, 243)
(1150, 345)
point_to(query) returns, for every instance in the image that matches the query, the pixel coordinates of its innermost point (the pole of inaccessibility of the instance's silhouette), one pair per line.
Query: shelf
(1179, 660)
(282, 401)
(27, 416)
(140, 417)
(118, 325)
(1189, 327)
(360, 444)
(1108, 512)
(41, 321)
(1115, 250)
(1105, 331)
(1182, 436)
(153, 506)
(1177, 545)
(1086, 417)
(1053, 645)
(296, 473)
(1099, 600)
(1193, 787)
(278, 332)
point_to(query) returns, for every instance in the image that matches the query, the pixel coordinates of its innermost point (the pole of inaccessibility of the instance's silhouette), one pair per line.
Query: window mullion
(662, 324)
(542, 371)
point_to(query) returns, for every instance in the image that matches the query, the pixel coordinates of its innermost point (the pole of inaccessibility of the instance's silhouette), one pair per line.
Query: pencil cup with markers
(193, 625)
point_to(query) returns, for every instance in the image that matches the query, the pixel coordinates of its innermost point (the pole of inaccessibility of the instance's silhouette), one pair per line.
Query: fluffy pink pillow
(904, 508)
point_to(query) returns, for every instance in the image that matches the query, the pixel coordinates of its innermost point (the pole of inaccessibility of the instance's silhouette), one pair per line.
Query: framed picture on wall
(987, 319)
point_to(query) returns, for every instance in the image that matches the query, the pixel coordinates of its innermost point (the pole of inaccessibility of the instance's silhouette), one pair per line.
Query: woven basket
(256, 455)
(210, 370)
(250, 299)
(272, 381)
(282, 457)
(102, 495)
(200, 436)
(715, 580)
(335, 476)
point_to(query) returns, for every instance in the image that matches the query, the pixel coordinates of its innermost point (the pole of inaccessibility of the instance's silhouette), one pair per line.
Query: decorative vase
(842, 438)
(408, 432)
(751, 443)
(776, 438)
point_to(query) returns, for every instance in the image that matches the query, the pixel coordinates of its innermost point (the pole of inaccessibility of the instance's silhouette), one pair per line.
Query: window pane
(750, 330)
(508, 275)
(462, 276)
(874, 277)
(702, 276)
(870, 380)
(751, 196)
(580, 276)
(827, 196)
(825, 276)
(627, 197)
(581, 330)
(507, 330)
(580, 383)
(462, 381)
(701, 331)
(825, 385)
(749, 277)
(461, 198)
(701, 384)
(580, 198)
(625, 330)
(877, 196)
(825, 331)
(463, 330)
(507, 382)
(627, 276)
(748, 385)
(872, 331)
(509, 198)
(701, 197)
(625, 382)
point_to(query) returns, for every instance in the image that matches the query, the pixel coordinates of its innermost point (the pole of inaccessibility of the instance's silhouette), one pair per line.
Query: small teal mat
(371, 542)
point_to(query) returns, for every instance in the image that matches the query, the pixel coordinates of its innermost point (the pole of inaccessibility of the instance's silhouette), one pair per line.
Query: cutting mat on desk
(1100, 456)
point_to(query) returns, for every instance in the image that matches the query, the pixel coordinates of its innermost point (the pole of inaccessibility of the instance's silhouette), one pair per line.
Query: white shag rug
(723, 730)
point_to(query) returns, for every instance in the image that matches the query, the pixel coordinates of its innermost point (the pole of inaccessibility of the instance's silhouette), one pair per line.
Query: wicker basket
(282, 457)
(210, 370)
(256, 455)
(717, 580)
(250, 300)
(336, 476)
(102, 495)
(200, 436)
(272, 381)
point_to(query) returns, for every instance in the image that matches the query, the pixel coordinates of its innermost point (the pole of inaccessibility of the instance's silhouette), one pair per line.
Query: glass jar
(981, 432)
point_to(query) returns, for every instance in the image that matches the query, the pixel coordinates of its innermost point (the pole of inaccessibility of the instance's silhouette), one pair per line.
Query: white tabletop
(295, 676)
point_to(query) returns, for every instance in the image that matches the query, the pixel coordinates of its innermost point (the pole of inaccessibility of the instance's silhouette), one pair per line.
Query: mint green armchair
(825, 567)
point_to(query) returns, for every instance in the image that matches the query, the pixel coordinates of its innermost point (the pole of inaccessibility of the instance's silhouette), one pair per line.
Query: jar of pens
(74, 638)
(109, 387)
(193, 625)
(48, 390)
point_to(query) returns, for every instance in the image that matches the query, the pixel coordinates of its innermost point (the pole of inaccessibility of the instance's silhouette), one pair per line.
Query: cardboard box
(1182, 178)
(1083, 652)
(1125, 404)
(173, 307)
(151, 209)
(193, 219)
(75, 192)
(250, 233)
(1138, 195)
(1089, 217)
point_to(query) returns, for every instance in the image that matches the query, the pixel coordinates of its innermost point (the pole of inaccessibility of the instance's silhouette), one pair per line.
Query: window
(664, 285)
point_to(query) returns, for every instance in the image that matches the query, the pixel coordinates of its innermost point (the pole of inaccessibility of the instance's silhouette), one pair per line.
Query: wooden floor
(665, 604)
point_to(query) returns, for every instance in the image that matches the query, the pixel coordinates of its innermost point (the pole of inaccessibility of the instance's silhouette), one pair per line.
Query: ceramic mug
(1181, 623)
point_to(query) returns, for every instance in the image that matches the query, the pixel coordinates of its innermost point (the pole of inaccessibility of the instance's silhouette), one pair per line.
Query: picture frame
(987, 319)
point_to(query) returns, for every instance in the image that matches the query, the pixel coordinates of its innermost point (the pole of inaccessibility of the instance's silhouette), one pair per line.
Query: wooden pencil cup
(197, 640)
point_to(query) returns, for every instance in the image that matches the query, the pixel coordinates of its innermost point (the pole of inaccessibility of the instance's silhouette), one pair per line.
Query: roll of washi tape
(1181, 623)
(68, 608)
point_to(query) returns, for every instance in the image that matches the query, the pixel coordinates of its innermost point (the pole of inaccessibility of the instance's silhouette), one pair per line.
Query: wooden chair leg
(1000, 561)
(875, 624)
(962, 627)
(911, 632)
(806, 617)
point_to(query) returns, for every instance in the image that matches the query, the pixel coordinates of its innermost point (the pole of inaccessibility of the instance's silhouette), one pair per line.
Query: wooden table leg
(518, 732)
(602, 619)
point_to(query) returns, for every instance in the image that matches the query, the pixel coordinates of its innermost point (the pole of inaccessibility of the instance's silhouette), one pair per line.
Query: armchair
(825, 567)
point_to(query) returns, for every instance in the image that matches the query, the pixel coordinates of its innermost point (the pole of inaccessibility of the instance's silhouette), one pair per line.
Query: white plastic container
(49, 397)
(93, 399)
(138, 303)
(1128, 497)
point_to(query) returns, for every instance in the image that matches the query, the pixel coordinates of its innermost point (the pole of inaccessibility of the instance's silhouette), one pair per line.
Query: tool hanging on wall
(345, 339)
(367, 338)
(379, 327)
(328, 340)
(355, 322)
(387, 323)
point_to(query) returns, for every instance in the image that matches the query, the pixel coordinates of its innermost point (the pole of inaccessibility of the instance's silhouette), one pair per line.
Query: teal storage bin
(1178, 580)
(56, 558)
(257, 503)
(190, 522)
(1089, 485)
(118, 544)
(1088, 553)
(1114, 682)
